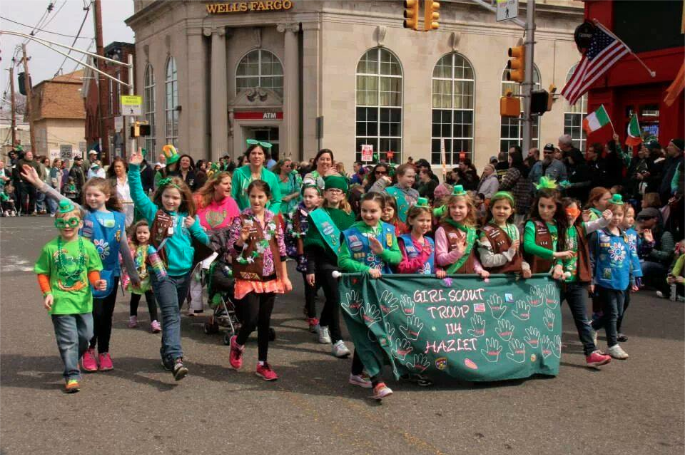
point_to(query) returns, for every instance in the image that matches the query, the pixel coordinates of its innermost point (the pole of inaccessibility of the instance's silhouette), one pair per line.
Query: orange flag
(676, 88)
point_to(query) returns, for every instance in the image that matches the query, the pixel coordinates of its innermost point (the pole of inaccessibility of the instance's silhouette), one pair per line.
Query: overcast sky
(65, 18)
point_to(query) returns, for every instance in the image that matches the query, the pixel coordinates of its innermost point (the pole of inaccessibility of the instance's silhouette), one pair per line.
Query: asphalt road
(629, 407)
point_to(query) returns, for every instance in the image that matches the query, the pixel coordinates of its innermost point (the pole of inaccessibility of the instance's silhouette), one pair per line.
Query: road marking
(15, 264)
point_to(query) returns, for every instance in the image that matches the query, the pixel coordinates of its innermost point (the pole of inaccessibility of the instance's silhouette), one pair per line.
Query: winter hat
(335, 181)
(678, 143)
(442, 190)
(648, 213)
(170, 154)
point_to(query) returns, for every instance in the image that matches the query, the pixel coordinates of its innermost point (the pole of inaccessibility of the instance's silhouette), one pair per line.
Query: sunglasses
(63, 223)
(548, 153)
(266, 145)
(381, 172)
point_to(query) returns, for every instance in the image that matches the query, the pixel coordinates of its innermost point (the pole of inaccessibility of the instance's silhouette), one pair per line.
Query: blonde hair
(344, 204)
(207, 191)
(470, 220)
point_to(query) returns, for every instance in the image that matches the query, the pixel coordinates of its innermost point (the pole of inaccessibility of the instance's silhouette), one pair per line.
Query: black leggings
(330, 315)
(103, 309)
(27, 198)
(358, 368)
(151, 304)
(309, 297)
(256, 314)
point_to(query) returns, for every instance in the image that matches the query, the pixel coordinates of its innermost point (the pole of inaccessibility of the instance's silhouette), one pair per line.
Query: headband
(168, 182)
(504, 195)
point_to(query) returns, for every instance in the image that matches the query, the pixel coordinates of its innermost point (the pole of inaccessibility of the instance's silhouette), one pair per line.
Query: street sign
(66, 152)
(118, 123)
(132, 105)
(507, 10)
(367, 152)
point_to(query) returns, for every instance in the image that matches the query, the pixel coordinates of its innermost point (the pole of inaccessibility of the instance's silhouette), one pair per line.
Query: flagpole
(608, 32)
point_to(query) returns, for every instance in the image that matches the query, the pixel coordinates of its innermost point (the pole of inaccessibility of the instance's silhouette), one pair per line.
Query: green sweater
(392, 256)
(533, 248)
(340, 218)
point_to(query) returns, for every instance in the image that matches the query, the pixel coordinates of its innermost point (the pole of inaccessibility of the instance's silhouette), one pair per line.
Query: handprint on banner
(549, 319)
(492, 350)
(402, 348)
(532, 337)
(390, 330)
(546, 348)
(420, 363)
(497, 307)
(556, 346)
(551, 296)
(413, 328)
(352, 303)
(505, 329)
(407, 305)
(477, 326)
(522, 311)
(517, 351)
(535, 297)
(388, 303)
(370, 314)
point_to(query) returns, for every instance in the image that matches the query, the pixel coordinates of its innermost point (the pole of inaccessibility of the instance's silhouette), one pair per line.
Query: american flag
(604, 51)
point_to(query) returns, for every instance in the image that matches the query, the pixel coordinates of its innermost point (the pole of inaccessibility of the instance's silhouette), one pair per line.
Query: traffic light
(539, 101)
(411, 14)
(516, 64)
(509, 105)
(139, 129)
(431, 15)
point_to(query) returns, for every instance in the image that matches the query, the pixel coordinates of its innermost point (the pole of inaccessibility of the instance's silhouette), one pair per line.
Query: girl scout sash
(470, 241)
(402, 204)
(327, 228)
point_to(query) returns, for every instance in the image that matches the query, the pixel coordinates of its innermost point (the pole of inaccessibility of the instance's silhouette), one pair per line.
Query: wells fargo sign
(244, 7)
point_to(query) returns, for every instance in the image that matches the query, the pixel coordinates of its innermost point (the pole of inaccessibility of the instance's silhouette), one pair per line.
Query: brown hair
(207, 191)
(390, 201)
(110, 170)
(260, 185)
(403, 168)
(132, 229)
(113, 204)
(470, 220)
(187, 202)
(415, 211)
(595, 195)
(652, 200)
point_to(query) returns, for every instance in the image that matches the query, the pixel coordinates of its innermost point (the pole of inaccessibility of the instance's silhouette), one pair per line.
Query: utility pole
(14, 107)
(102, 92)
(29, 97)
(529, 80)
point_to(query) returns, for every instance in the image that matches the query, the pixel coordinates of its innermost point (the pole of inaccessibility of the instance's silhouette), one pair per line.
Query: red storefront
(653, 30)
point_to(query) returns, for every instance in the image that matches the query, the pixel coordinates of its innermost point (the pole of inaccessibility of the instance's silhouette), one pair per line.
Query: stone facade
(319, 44)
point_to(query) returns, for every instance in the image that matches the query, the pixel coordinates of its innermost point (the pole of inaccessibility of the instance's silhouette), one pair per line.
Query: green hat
(170, 154)
(617, 199)
(66, 206)
(459, 191)
(546, 183)
(335, 181)
(422, 202)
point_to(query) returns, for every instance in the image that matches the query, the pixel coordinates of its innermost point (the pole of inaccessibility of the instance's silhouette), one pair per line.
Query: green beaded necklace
(75, 275)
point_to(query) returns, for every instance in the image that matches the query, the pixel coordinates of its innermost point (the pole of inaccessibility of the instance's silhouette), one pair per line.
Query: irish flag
(634, 134)
(596, 120)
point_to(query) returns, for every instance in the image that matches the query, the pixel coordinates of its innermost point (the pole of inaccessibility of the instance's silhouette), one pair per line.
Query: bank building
(312, 74)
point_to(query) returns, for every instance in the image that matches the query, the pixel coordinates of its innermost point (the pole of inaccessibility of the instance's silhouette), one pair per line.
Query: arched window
(171, 111)
(453, 101)
(150, 143)
(379, 105)
(511, 130)
(259, 68)
(573, 117)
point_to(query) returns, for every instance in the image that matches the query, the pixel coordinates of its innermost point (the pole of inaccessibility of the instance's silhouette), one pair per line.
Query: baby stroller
(220, 299)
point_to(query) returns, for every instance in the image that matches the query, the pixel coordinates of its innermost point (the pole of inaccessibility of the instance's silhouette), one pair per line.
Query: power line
(43, 30)
(55, 15)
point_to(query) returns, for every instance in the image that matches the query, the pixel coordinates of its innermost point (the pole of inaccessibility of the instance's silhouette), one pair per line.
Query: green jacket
(347, 263)
(242, 177)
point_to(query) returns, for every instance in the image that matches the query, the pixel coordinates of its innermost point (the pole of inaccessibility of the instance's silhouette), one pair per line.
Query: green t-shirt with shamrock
(69, 274)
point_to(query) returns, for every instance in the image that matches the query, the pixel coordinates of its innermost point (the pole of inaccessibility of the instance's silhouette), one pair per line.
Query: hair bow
(546, 183)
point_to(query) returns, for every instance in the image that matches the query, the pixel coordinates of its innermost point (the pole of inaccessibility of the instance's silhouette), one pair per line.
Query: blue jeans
(612, 306)
(72, 332)
(40, 201)
(170, 293)
(574, 294)
(52, 205)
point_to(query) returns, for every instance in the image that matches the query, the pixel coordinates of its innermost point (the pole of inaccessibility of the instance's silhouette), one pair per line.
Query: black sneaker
(418, 379)
(621, 338)
(166, 365)
(179, 371)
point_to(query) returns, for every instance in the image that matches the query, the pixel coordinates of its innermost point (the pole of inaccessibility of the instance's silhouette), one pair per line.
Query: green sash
(402, 204)
(327, 228)
(470, 241)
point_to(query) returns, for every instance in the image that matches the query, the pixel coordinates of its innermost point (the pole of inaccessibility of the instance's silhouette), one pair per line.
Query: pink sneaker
(236, 356)
(381, 391)
(155, 327)
(105, 362)
(265, 372)
(132, 322)
(596, 359)
(88, 361)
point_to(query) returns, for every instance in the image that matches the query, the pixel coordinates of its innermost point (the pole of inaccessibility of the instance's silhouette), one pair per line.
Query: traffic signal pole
(529, 81)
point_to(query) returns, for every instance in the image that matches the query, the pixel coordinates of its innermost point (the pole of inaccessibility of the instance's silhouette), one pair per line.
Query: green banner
(461, 327)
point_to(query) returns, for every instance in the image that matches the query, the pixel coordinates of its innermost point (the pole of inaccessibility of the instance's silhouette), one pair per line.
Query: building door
(266, 134)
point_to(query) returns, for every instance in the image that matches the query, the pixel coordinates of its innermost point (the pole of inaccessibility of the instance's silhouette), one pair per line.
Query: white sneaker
(660, 294)
(340, 350)
(617, 352)
(324, 335)
(595, 339)
(360, 380)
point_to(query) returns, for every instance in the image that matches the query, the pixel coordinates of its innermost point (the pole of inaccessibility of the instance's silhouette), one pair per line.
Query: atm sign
(258, 115)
